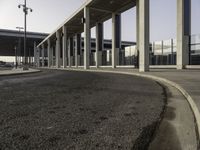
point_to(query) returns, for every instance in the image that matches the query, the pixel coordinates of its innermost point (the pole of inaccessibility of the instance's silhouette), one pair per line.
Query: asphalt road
(78, 110)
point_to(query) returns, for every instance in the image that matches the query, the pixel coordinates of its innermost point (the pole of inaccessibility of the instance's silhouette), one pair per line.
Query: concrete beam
(143, 36)
(183, 32)
(64, 44)
(116, 39)
(99, 43)
(101, 10)
(58, 49)
(87, 37)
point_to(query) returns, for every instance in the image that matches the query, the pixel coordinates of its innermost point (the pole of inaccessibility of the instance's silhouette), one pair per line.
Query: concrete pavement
(177, 128)
(17, 71)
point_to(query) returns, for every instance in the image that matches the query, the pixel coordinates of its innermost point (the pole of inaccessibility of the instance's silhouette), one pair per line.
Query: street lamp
(19, 45)
(15, 57)
(25, 10)
(19, 28)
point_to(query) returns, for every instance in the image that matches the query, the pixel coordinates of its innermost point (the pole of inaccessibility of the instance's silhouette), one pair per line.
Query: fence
(195, 50)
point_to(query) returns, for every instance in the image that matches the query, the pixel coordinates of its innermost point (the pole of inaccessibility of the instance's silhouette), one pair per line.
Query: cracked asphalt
(78, 111)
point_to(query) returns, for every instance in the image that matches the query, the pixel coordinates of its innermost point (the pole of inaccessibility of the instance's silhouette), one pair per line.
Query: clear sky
(48, 14)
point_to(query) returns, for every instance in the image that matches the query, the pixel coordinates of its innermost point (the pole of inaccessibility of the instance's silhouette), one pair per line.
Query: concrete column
(42, 55)
(172, 51)
(116, 39)
(49, 53)
(87, 38)
(152, 58)
(52, 54)
(137, 32)
(183, 32)
(57, 49)
(162, 52)
(77, 50)
(38, 57)
(64, 38)
(143, 35)
(99, 44)
(35, 55)
(70, 52)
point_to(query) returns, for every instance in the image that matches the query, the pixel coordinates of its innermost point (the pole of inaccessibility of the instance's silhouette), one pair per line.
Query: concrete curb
(191, 102)
(19, 72)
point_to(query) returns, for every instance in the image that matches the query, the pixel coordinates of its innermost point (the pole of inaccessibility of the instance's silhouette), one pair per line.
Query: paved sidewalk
(187, 79)
(17, 71)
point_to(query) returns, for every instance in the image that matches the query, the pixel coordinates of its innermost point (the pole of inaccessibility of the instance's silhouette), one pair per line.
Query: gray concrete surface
(177, 129)
(18, 71)
(188, 79)
(5, 68)
(78, 110)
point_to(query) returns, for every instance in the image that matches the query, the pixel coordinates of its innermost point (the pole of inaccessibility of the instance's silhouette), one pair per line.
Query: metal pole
(15, 57)
(19, 46)
(25, 9)
(20, 50)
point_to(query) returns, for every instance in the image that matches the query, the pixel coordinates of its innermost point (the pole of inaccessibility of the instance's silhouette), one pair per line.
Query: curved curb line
(20, 73)
(191, 102)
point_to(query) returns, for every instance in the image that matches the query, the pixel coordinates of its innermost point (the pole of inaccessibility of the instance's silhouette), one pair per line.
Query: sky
(47, 15)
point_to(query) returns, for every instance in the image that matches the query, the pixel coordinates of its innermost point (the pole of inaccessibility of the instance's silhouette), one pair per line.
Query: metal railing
(194, 46)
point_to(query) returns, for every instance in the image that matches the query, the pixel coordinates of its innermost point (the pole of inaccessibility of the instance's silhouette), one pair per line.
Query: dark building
(12, 39)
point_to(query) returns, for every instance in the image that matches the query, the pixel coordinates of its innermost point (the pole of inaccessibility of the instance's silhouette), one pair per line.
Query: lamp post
(25, 10)
(19, 45)
(15, 57)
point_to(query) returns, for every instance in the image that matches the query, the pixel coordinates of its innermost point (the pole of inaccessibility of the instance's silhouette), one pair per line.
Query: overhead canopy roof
(100, 10)
(15, 33)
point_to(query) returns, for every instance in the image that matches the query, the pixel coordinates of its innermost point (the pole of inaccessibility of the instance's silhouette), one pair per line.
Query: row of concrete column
(183, 33)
